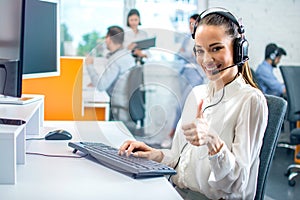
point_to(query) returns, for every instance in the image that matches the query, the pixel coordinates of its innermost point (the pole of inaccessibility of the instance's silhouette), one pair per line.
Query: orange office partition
(63, 94)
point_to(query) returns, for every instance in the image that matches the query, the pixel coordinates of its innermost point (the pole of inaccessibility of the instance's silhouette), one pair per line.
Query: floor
(277, 184)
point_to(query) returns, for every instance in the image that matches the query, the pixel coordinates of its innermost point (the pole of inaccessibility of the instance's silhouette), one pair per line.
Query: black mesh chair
(277, 109)
(2, 78)
(291, 79)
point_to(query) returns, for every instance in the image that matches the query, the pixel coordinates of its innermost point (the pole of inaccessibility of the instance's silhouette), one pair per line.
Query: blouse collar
(229, 90)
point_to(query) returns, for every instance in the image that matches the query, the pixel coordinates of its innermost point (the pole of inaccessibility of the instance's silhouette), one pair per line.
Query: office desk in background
(96, 104)
(58, 178)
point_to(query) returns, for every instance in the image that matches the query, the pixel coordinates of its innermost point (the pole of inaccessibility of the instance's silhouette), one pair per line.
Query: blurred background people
(120, 61)
(186, 52)
(264, 73)
(133, 33)
(190, 71)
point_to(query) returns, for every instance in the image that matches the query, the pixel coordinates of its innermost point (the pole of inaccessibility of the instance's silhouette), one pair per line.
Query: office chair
(128, 100)
(291, 79)
(136, 92)
(277, 109)
(2, 78)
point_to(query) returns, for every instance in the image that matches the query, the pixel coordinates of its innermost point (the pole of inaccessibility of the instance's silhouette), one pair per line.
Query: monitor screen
(41, 38)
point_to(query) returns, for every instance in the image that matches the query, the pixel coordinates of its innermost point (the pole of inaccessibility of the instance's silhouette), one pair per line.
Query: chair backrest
(136, 94)
(128, 97)
(277, 108)
(290, 75)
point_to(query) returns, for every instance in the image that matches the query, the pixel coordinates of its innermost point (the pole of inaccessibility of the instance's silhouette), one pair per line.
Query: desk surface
(79, 178)
(92, 95)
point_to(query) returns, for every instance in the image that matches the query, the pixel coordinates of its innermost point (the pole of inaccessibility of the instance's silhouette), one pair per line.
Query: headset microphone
(218, 71)
(237, 64)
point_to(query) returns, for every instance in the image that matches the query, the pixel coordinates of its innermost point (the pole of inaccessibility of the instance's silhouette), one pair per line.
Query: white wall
(267, 21)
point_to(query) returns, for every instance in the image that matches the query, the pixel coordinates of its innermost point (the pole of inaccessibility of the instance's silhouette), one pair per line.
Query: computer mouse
(59, 134)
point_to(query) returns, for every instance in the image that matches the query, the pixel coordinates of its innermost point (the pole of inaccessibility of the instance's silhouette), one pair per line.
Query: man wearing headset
(267, 81)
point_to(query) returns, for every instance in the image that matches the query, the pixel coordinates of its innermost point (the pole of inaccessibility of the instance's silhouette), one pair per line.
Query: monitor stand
(24, 99)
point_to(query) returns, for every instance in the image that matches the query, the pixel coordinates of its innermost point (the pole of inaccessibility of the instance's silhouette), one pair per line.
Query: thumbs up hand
(197, 133)
(195, 130)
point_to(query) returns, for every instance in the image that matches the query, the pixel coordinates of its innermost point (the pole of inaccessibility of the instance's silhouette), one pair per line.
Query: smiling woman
(222, 122)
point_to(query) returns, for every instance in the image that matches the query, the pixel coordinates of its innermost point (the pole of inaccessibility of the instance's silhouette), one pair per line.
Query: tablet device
(145, 44)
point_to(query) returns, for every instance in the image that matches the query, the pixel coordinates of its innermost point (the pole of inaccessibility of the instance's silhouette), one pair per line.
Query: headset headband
(219, 11)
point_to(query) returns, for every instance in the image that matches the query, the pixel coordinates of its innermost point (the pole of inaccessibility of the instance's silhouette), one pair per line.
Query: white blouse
(131, 36)
(238, 114)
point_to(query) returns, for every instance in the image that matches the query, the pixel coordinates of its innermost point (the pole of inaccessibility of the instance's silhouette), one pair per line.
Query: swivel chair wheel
(292, 183)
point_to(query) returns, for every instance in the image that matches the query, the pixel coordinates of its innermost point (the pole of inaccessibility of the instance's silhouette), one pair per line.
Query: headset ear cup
(240, 54)
(272, 56)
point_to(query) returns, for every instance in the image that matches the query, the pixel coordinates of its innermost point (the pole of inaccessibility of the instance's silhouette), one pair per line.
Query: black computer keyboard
(132, 166)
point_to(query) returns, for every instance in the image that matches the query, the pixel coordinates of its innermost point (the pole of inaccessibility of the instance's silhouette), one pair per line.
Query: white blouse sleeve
(230, 168)
(189, 114)
(171, 156)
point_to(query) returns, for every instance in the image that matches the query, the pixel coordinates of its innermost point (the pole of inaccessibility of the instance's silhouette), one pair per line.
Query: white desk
(12, 137)
(50, 178)
(92, 98)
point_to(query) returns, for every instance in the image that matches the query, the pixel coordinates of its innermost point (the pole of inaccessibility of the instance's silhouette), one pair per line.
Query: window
(85, 22)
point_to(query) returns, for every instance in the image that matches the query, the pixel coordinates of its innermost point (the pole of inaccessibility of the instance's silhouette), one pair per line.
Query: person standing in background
(133, 33)
(266, 79)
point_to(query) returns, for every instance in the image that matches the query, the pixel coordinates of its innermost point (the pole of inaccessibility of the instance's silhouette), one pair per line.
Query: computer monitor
(29, 36)
(10, 78)
(40, 54)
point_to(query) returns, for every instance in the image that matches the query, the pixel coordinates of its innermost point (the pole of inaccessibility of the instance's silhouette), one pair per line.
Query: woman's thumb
(199, 111)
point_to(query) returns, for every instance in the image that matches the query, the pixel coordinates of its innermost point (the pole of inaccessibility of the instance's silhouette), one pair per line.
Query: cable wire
(55, 155)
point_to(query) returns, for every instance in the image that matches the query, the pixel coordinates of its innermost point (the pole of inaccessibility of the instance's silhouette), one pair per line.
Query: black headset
(240, 47)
